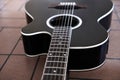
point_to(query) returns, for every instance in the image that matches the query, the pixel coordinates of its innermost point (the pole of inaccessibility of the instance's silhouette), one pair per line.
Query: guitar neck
(57, 58)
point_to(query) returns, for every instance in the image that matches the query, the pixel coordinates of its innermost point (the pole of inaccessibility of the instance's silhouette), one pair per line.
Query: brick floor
(14, 65)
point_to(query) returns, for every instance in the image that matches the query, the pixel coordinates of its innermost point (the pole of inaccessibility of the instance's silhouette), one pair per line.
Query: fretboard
(56, 62)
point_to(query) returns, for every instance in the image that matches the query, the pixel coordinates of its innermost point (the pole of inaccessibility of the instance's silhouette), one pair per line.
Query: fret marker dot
(50, 54)
(54, 71)
(64, 54)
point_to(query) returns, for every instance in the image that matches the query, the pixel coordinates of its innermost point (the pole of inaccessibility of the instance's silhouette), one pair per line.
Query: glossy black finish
(36, 44)
(87, 58)
(90, 33)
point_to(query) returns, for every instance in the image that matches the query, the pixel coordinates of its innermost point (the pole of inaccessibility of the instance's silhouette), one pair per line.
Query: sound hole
(64, 20)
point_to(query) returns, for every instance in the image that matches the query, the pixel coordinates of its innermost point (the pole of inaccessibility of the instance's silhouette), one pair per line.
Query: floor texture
(14, 65)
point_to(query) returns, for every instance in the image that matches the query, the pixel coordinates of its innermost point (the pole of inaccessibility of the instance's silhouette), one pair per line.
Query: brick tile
(116, 2)
(115, 24)
(3, 3)
(118, 10)
(11, 5)
(39, 69)
(114, 50)
(12, 15)
(8, 39)
(2, 60)
(18, 68)
(114, 15)
(12, 22)
(19, 48)
(1, 28)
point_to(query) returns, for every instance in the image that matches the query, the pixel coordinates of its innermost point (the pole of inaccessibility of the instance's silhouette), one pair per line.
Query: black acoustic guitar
(72, 32)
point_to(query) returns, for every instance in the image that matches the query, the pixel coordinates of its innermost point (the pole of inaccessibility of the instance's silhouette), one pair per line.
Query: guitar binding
(76, 22)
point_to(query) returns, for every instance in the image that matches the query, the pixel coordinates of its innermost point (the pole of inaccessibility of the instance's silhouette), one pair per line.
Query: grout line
(83, 79)
(1, 29)
(12, 54)
(113, 58)
(15, 27)
(35, 67)
(9, 55)
(14, 18)
(21, 18)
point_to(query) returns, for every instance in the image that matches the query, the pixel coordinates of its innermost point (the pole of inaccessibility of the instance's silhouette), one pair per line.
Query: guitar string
(49, 54)
(52, 64)
(59, 22)
(61, 30)
(66, 11)
(58, 54)
(69, 25)
(65, 26)
(68, 20)
(58, 46)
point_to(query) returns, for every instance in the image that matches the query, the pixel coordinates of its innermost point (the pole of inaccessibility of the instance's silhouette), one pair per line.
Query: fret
(56, 67)
(54, 74)
(57, 49)
(61, 31)
(53, 77)
(57, 54)
(56, 59)
(59, 36)
(55, 42)
(54, 71)
(60, 45)
(61, 28)
(65, 34)
(57, 39)
(56, 64)
(63, 42)
(57, 46)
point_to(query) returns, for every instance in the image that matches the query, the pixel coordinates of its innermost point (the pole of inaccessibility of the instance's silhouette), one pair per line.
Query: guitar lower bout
(89, 42)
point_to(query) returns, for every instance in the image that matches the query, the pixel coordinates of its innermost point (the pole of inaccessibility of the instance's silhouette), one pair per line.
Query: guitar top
(87, 32)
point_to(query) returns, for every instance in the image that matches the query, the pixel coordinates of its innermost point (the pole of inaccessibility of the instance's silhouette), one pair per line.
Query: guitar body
(89, 41)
